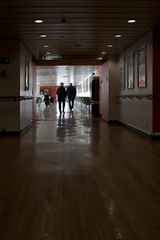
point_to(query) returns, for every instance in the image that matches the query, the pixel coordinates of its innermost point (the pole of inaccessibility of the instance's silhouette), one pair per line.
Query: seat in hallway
(74, 177)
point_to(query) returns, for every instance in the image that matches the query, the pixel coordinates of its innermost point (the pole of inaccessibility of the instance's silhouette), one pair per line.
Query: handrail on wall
(15, 98)
(140, 96)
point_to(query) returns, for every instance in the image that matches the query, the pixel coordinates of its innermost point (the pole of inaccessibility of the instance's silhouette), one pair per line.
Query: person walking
(46, 99)
(61, 94)
(71, 94)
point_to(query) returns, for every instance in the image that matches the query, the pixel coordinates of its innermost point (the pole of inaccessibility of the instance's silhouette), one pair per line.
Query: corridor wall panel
(135, 110)
(156, 80)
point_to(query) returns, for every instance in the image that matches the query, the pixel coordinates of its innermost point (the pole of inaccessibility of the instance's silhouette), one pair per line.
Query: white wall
(9, 118)
(15, 115)
(138, 112)
(9, 86)
(103, 72)
(108, 89)
(113, 87)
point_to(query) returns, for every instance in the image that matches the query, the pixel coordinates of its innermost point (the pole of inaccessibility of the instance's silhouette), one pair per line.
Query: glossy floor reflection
(73, 177)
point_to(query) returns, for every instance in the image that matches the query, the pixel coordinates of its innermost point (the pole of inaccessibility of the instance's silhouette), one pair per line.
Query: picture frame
(130, 71)
(122, 74)
(26, 83)
(142, 68)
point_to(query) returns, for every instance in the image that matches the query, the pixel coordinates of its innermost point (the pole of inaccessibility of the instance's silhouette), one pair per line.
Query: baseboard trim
(135, 130)
(26, 128)
(10, 133)
(113, 121)
(16, 133)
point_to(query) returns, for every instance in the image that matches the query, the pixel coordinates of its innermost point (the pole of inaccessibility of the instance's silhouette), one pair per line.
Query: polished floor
(74, 177)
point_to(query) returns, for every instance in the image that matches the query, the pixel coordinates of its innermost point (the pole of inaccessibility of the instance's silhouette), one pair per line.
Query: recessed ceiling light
(110, 45)
(38, 21)
(118, 35)
(99, 58)
(103, 53)
(43, 35)
(48, 53)
(46, 46)
(131, 21)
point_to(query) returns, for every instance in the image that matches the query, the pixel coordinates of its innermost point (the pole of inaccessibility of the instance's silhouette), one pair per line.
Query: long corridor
(74, 177)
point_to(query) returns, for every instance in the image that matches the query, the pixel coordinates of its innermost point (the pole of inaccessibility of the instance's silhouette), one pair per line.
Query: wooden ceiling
(77, 29)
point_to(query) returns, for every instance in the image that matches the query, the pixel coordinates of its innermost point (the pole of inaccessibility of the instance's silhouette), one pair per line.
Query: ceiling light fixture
(110, 45)
(38, 21)
(99, 58)
(46, 46)
(131, 21)
(103, 53)
(43, 35)
(48, 53)
(118, 36)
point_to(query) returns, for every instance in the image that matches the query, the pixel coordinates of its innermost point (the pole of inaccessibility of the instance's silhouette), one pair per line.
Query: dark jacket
(61, 93)
(71, 92)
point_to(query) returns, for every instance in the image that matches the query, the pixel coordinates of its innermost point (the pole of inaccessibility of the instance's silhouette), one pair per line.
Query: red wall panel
(156, 80)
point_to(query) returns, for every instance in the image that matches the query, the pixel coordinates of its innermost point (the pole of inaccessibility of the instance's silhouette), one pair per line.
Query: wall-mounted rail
(15, 98)
(140, 96)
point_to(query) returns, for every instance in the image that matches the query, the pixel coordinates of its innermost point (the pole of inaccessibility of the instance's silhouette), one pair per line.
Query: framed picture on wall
(142, 79)
(26, 83)
(122, 73)
(130, 71)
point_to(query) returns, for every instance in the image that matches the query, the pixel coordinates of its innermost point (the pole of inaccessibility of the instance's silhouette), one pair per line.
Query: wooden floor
(73, 177)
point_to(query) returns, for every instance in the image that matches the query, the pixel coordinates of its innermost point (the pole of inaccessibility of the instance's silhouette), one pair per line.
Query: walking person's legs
(59, 103)
(69, 101)
(63, 106)
(72, 103)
